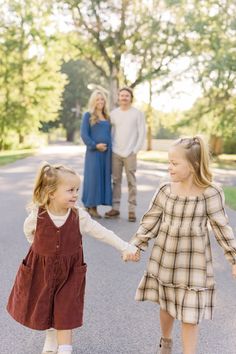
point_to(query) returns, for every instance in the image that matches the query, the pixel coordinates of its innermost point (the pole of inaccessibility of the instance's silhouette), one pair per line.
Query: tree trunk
(113, 88)
(70, 135)
(2, 135)
(1, 144)
(216, 144)
(149, 138)
(149, 119)
(21, 138)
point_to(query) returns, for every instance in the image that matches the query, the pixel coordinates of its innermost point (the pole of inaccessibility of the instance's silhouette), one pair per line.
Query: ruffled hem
(189, 305)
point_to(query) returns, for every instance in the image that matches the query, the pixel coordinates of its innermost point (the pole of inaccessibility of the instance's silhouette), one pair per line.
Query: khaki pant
(130, 164)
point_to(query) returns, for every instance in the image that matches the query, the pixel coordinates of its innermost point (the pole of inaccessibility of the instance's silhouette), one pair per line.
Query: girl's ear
(191, 168)
(51, 196)
(197, 166)
(194, 169)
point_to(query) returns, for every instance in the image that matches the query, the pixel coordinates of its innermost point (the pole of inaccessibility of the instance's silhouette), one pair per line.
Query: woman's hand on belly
(101, 147)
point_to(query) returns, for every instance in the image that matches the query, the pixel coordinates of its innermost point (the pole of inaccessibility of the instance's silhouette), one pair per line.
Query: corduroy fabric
(50, 283)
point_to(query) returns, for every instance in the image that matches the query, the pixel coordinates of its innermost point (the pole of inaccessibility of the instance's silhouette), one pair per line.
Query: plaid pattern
(179, 275)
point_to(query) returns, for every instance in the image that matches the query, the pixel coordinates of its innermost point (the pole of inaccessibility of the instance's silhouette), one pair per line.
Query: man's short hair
(129, 89)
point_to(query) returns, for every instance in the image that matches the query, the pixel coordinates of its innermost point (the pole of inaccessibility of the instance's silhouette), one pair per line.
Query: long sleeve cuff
(142, 245)
(230, 257)
(92, 145)
(130, 248)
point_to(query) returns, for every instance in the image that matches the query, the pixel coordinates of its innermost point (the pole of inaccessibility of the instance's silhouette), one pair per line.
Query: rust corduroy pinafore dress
(50, 283)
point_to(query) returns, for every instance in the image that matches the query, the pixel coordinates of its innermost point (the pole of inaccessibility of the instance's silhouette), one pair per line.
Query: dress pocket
(80, 278)
(18, 302)
(23, 279)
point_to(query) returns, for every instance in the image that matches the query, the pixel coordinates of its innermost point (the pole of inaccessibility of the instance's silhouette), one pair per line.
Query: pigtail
(205, 175)
(197, 153)
(40, 193)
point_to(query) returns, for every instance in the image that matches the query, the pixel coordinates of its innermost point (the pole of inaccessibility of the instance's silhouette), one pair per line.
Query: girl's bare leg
(189, 338)
(166, 322)
(64, 338)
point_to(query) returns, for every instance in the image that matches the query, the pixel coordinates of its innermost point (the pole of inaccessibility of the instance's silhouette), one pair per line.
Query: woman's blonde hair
(92, 107)
(46, 182)
(197, 153)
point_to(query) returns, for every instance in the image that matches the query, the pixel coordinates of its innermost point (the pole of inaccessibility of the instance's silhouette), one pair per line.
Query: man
(128, 135)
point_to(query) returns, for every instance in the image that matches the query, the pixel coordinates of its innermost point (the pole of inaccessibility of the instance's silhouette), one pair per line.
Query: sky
(182, 94)
(180, 98)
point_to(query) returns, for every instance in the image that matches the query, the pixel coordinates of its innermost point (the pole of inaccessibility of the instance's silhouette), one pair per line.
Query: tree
(119, 37)
(76, 93)
(29, 72)
(212, 40)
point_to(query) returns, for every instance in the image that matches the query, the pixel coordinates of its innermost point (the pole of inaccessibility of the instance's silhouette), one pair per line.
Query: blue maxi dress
(97, 168)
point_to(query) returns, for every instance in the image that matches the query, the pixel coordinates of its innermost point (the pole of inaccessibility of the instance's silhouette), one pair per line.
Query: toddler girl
(49, 287)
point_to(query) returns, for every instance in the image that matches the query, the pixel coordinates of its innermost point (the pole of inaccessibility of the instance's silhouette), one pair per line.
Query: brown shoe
(93, 213)
(165, 346)
(112, 214)
(132, 216)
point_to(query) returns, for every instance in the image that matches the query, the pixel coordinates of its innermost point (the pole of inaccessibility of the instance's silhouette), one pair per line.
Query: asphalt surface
(113, 322)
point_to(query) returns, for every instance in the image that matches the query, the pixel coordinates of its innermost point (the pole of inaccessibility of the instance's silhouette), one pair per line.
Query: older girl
(180, 275)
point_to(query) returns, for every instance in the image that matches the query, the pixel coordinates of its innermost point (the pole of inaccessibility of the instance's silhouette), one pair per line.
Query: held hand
(101, 147)
(131, 257)
(234, 271)
(137, 256)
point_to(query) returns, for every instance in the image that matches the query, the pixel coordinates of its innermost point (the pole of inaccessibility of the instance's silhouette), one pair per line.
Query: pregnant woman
(96, 134)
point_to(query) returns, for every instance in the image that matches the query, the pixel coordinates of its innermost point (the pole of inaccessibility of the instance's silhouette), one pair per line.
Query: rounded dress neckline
(102, 121)
(190, 197)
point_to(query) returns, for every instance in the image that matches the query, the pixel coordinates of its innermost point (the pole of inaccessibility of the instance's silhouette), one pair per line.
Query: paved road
(114, 323)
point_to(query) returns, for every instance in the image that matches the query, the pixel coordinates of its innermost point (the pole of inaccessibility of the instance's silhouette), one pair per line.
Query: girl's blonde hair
(92, 107)
(197, 153)
(46, 182)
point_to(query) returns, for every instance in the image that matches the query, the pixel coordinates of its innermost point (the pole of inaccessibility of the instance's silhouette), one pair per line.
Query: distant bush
(230, 146)
(165, 133)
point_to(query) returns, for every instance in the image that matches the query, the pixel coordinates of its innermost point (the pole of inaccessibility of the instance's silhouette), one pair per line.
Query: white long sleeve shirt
(88, 226)
(128, 131)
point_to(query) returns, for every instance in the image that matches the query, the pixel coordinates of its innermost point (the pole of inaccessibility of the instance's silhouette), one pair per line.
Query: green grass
(7, 157)
(223, 161)
(230, 197)
(153, 156)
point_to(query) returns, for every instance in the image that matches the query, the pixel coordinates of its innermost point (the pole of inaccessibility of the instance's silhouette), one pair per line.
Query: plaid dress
(179, 274)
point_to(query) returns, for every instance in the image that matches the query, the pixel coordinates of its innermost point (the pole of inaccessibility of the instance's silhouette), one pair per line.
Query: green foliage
(165, 125)
(212, 39)
(230, 197)
(230, 145)
(125, 42)
(30, 81)
(76, 93)
(129, 42)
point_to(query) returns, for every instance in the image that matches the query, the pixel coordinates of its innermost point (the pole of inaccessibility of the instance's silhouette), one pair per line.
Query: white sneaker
(50, 344)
